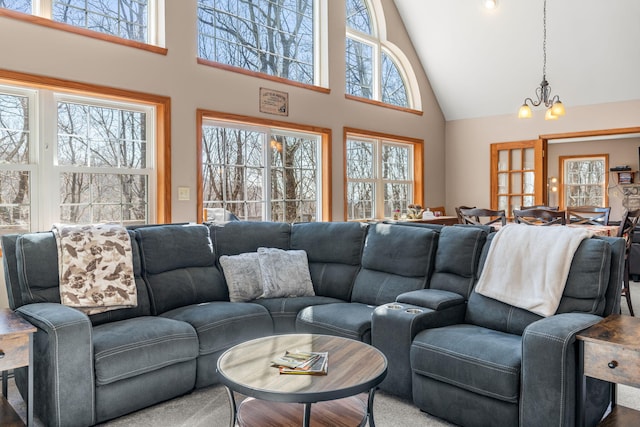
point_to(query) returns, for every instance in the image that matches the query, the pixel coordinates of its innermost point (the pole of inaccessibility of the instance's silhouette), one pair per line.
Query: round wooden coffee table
(277, 399)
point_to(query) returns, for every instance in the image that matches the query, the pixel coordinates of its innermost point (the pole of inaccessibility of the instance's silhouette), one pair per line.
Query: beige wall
(34, 49)
(621, 152)
(468, 142)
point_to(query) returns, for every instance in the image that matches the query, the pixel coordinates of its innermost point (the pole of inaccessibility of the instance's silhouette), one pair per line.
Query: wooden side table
(16, 351)
(610, 351)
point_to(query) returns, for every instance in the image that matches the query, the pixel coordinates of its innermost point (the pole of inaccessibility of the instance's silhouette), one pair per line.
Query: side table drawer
(16, 351)
(612, 363)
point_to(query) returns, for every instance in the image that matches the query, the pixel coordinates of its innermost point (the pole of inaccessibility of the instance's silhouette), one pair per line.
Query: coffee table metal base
(347, 412)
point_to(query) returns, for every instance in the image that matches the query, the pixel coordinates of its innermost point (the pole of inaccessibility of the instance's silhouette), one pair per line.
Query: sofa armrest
(549, 373)
(63, 365)
(435, 299)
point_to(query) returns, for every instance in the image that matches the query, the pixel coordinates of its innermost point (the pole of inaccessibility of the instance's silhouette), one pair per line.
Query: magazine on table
(302, 363)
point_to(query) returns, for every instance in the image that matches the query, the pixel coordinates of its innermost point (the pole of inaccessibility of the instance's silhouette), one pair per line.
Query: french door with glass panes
(518, 174)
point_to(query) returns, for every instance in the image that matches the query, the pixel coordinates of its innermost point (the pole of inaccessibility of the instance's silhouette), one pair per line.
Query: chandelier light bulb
(490, 4)
(549, 114)
(557, 109)
(525, 112)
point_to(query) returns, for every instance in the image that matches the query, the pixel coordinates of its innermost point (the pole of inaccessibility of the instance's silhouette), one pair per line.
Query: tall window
(129, 19)
(273, 37)
(74, 159)
(102, 162)
(381, 176)
(261, 173)
(372, 70)
(584, 180)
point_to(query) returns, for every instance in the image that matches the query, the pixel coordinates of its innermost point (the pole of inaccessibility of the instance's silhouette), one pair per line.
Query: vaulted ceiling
(484, 62)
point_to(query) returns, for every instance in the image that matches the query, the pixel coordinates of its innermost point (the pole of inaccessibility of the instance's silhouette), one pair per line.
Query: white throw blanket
(527, 266)
(96, 267)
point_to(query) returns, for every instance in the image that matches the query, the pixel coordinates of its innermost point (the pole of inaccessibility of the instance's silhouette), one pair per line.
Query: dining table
(598, 230)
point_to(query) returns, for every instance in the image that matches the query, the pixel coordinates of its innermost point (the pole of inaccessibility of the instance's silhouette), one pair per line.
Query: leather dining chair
(479, 216)
(592, 215)
(539, 217)
(626, 231)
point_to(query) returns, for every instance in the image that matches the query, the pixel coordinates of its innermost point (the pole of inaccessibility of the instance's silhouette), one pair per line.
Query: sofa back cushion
(334, 250)
(457, 259)
(37, 268)
(179, 265)
(237, 237)
(584, 291)
(395, 259)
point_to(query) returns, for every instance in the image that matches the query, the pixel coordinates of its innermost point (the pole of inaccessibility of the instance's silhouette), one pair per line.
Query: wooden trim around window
(561, 181)
(162, 105)
(45, 22)
(418, 161)
(276, 79)
(383, 104)
(325, 138)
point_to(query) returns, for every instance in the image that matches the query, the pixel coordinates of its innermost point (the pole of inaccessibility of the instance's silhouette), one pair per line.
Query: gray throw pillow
(285, 273)
(242, 273)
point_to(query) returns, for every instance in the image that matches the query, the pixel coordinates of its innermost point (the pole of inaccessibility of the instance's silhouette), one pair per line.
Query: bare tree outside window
(371, 72)
(102, 152)
(274, 37)
(379, 177)
(584, 180)
(15, 204)
(23, 6)
(238, 165)
(122, 18)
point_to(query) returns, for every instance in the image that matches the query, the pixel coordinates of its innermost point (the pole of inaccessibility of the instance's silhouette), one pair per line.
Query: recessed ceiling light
(490, 4)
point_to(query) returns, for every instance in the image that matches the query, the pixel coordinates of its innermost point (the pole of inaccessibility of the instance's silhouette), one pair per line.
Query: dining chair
(459, 215)
(479, 216)
(626, 231)
(549, 208)
(539, 217)
(593, 215)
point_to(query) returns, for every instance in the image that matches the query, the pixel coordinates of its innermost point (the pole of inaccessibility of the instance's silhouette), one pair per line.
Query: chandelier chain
(544, 39)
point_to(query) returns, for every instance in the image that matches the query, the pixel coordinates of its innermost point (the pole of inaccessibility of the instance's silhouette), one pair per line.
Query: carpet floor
(210, 406)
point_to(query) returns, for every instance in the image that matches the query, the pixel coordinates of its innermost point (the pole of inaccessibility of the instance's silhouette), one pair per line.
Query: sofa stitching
(24, 271)
(211, 325)
(470, 359)
(465, 386)
(112, 351)
(564, 342)
(56, 329)
(331, 327)
(146, 368)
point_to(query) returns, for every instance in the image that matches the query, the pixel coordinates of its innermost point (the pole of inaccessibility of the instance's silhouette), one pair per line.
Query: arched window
(374, 68)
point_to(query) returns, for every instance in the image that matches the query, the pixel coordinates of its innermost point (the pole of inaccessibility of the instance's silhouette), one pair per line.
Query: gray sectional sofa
(406, 290)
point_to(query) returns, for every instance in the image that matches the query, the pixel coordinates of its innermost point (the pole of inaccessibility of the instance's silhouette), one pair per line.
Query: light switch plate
(183, 193)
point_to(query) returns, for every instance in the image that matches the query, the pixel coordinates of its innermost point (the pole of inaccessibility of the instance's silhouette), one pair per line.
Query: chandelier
(554, 107)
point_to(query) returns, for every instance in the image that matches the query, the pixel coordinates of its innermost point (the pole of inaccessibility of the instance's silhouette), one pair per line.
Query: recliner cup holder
(414, 310)
(394, 306)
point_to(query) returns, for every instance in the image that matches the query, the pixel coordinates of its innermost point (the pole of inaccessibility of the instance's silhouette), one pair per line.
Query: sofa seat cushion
(284, 311)
(133, 347)
(346, 319)
(222, 324)
(470, 357)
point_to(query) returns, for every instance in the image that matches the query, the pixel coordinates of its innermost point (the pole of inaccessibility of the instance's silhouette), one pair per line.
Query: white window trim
(378, 39)
(266, 132)
(155, 19)
(377, 180)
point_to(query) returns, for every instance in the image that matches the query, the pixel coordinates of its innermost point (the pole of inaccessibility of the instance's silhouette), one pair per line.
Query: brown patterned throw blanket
(96, 267)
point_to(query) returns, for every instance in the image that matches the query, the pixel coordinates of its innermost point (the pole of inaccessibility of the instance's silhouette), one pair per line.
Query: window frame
(246, 122)
(44, 138)
(320, 55)
(41, 15)
(383, 139)
(563, 185)
(381, 46)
